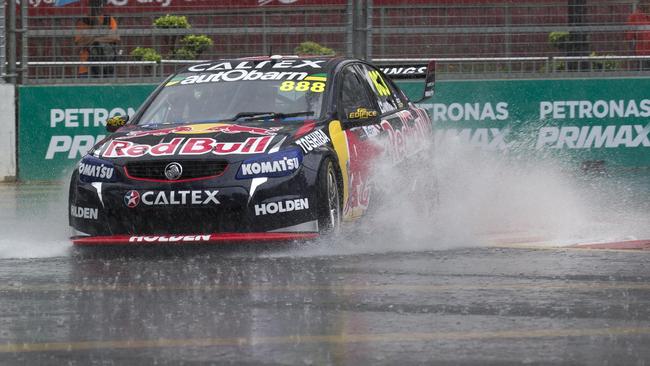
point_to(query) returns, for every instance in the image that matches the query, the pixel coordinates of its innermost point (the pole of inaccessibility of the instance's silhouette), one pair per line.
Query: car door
(359, 125)
(377, 124)
(405, 126)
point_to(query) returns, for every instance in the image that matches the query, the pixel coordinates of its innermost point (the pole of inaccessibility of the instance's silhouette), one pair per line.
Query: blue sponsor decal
(277, 164)
(92, 170)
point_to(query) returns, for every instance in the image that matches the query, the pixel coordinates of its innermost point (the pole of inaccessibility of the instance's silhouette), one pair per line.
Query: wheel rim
(333, 202)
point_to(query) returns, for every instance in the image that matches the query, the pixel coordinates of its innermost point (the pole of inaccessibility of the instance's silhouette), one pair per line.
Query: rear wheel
(329, 200)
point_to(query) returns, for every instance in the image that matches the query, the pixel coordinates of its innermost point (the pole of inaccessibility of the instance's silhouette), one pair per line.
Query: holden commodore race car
(254, 149)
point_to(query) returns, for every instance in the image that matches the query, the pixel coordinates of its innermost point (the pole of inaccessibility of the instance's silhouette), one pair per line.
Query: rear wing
(404, 69)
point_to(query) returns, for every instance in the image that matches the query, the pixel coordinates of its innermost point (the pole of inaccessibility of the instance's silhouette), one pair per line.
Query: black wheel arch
(333, 157)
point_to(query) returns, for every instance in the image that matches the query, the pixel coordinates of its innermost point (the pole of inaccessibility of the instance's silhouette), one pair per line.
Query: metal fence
(501, 28)
(2, 40)
(469, 38)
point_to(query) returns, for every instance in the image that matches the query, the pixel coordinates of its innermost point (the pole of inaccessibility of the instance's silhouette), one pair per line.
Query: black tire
(329, 199)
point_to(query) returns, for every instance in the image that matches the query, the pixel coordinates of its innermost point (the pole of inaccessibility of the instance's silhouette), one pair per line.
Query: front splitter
(218, 238)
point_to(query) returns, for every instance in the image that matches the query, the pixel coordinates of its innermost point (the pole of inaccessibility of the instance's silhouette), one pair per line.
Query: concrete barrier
(7, 133)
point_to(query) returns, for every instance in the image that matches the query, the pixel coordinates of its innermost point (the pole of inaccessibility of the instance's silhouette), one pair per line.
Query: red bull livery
(249, 150)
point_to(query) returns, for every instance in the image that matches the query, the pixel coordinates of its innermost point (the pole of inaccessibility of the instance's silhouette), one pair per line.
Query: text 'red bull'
(399, 140)
(190, 146)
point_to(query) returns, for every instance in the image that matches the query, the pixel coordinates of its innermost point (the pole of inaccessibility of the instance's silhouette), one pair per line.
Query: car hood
(222, 140)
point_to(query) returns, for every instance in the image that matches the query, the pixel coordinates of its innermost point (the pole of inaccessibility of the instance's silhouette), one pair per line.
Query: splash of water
(477, 195)
(486, 198)
(34, 221)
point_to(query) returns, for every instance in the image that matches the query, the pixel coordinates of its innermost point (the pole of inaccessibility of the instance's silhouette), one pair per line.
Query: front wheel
(329, 200)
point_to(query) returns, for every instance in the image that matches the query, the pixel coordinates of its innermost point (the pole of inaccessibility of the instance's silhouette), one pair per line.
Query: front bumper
(100, 209)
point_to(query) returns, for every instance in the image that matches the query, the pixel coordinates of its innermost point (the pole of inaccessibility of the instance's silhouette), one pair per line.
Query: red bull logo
(245, 129)
(204, 128)
(186, 146)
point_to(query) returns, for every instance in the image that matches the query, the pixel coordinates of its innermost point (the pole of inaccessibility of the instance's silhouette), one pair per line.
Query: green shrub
(190, 46)
(558, 39)
(171, 21)
(196, 44)
(183, 53)
(146, 54)
(607, 65)
(313, 48)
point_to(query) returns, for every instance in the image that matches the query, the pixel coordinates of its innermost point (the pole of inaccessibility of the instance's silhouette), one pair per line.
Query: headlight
(277, 164)
(92, 170)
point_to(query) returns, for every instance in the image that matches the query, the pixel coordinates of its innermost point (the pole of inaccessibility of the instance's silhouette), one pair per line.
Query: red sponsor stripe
(192, 238)
(628, 244)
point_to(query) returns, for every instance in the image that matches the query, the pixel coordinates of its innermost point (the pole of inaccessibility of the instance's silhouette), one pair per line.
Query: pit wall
(7, 133)
(601, 122)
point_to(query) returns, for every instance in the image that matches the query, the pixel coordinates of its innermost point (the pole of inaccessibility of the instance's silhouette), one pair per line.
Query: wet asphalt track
(248, 306)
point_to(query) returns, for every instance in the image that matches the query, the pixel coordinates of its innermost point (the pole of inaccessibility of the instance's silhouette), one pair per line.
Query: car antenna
(274, 58)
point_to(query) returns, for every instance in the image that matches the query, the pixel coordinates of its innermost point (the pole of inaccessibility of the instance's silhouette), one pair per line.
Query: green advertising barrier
(57, 124)
(579, 120)
(602, 121)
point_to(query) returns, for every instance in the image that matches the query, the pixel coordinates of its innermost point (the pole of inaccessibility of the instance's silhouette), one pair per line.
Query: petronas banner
(606, 121)
(59, 124)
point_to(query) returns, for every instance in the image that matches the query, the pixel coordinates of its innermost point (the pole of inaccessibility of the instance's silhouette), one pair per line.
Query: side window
(388, 97)
(402, 99)
(353, 92)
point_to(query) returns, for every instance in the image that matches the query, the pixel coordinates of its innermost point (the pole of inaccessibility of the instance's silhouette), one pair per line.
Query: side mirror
(359, 113)
(115, 122)
(429, 81)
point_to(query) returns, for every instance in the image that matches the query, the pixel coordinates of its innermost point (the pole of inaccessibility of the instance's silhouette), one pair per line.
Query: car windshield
(180, 103)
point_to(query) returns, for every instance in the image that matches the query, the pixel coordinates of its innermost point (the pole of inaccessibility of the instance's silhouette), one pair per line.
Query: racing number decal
(301, 86)
(314, 83)
(380, 84)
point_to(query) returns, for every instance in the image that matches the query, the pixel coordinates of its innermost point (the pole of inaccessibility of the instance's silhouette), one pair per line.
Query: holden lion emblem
(131, 199)
(173, 171)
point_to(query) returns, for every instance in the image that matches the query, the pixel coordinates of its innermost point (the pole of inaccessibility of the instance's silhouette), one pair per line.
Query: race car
(254, 149)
